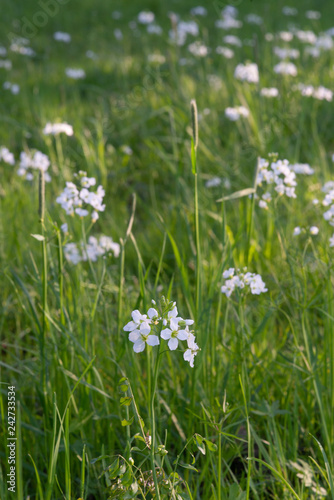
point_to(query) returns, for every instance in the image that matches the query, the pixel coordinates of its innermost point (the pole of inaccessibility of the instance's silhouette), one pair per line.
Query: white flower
(286, 53)
(247, 72)
(145, 17)
(242, 279)
(58, 128)
(191, 352)
(331, 241)
(6, 156)
(82, 212)
(142, 337)
(60, 36)
(289, 11)
(13, 87)
(198, 49)
(6, 64)
(254, 19)
(75, 73)
(225, 51)
(138, 320)
(234, 114)
(198, 11)
(228, 273)
(286, 68)
(173, 334)
(297, 230)
(313, 14)
(232, 40)
(64, 227)
(314, 230)
(269, 92)
(214, 182)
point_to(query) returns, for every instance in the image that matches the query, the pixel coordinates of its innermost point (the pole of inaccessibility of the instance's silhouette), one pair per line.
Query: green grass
(261, 394)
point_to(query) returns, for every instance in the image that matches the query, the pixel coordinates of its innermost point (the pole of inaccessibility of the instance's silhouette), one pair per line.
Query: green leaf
(210, 445)
(38, 237)
(199, 443)
(126, 401)
(113, 469)
(185, 466)
(97, 459)
(127, 422)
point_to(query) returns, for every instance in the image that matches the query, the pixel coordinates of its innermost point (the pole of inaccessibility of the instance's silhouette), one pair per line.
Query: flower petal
(153, 340)
(182, 335)
(174, 324)
(152, 313)
(136, 316)
(145, 329)
(134, 336)
(173, 343)
(139, 346)
(166, 333)
(130, 326)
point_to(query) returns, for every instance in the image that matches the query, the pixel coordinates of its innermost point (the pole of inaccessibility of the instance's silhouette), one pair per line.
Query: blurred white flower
(234, 114)
(241, 279)
(286, 68)
(61, 36)
(58, 128)
(314, 230)
(198, 11)
(297, 231)
(248, 72)
(313, 14)
(198, 49)
(75, 73)
(146, 17)
(6, 64)
(269, 92)
(225, 51)
(6, 156)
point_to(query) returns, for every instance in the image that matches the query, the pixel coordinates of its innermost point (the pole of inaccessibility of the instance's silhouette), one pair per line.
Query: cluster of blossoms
(34, 160)
(320, 93)
(269, 92)
(14, 88)
(60, 36)
(6, 156)
(75, 73)
(286, 68)
(229, 21)
(313, 230)
(6, 64)
(247, 72)
(306, 474)
(234, 114)
(150, 328)
(286, 53)
(279, 173)
(58, 128)
(95, 248)
(198, 49)
(182, 29)
(77, 198)
(241, 279)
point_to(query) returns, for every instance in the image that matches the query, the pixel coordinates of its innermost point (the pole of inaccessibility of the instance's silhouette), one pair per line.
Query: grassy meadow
(94, 419)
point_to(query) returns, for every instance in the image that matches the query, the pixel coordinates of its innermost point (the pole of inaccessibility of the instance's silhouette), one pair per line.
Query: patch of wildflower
(58, 128)
(235, 278)
(286, 68)
(279, 174)
(6, 156)
(31, 161)
(248, 72)
(77, 198)
(95, 248)
(234, 114)
(153, 327)
(313, 230)
(306, 474)
(75, 73)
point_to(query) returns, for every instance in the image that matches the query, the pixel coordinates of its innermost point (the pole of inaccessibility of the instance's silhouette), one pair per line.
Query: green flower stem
(152, 414)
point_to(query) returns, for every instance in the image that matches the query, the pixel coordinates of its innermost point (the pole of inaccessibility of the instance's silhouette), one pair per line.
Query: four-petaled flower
(174, 334)
(142, 337)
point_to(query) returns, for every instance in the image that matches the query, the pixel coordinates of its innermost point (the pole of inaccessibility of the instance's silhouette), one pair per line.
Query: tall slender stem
(152, 414)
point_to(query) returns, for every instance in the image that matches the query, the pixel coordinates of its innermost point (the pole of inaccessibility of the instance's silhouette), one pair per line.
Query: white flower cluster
(75, 73)
(13, 87)
(151, 327)
(6, 156)
(228, 21)
(60, 36)
(241, 279)
(279, 173)
(58, 128)
(146, 17)
(79, 199)
(225, 51)
(286, 53)
(313, 230)
(306, 474)
(286, 68)
(302, 168)
(269, 92)
(198, 49)
(248, 72)
(320, 93)
(234, 114)
(33, 161)
(95, 248)
(182, 29)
